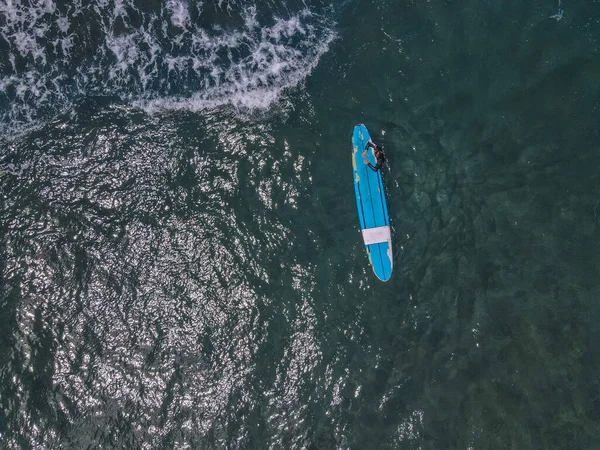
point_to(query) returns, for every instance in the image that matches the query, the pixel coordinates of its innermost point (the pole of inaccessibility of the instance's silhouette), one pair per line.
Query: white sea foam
(250, 18)
(559, 15)
(165, 61)
(180, 16)
(256, 81)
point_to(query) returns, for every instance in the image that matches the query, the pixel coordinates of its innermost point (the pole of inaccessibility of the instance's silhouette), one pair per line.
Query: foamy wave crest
(180, 55)
(276, 58)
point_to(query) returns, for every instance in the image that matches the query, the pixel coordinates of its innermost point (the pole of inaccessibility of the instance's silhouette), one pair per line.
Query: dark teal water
(180, 259)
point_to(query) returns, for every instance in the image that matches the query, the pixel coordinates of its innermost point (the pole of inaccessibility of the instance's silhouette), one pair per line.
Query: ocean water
(180, 258)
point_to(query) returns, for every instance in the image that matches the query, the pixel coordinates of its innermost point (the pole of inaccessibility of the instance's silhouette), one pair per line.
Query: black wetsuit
(378, 155)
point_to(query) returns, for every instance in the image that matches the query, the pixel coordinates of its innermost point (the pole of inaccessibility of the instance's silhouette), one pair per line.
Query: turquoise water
(180, 259)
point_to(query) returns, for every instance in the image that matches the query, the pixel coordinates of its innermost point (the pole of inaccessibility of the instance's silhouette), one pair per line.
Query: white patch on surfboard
(376, 235)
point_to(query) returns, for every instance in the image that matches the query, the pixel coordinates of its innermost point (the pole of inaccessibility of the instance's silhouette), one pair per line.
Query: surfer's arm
(371, 145)
(374, 169)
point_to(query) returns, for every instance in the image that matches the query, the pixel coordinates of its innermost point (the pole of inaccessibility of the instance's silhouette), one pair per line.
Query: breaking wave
(179, 55)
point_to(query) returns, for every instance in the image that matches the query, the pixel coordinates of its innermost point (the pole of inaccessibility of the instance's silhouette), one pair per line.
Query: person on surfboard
(377, 152)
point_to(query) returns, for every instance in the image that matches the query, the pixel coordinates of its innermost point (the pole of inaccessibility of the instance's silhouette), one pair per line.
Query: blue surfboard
(372, 207)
